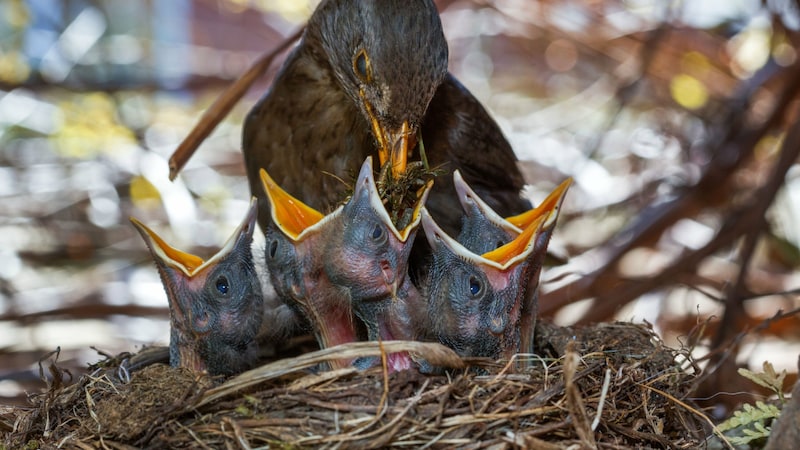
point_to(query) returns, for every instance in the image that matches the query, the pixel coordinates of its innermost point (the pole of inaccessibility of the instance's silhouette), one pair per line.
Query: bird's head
(389, 56)
(477, 299)
(296, 243)
(369, 255)
(216, 306)
(290, 236)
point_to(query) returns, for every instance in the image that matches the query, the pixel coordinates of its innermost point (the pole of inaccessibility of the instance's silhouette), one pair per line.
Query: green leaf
(768, 379)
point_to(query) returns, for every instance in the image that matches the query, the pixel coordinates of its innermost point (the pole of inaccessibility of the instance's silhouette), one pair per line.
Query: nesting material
(608, 386)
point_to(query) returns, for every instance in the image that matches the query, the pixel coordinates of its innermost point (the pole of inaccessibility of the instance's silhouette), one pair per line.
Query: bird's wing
(458, 133)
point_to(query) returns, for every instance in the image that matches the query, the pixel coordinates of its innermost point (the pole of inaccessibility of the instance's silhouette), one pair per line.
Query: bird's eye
(499, 244)
(273, 249)
(377, 232)
(475, 285)
(361, 66)
(222, 285)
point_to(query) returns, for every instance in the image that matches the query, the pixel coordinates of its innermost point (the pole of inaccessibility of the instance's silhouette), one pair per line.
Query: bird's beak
(416, 214)
(366, 188)
(166, 254)
(189, 264)
(290, 214)
(550, 204)
(393, 145)
(472, 203)
(519, 248)
(400, 143)
(533, 222)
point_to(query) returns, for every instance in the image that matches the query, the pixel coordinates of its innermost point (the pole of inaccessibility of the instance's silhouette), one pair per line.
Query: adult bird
(215, 305)
(370, 76)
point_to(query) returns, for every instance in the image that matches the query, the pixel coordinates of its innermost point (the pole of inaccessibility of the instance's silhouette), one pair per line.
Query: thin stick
(222, 106)
(434, 353)
(602, 400)
(692, 410)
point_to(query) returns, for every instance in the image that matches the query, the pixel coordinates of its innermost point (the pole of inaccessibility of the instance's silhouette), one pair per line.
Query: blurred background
(677, 120)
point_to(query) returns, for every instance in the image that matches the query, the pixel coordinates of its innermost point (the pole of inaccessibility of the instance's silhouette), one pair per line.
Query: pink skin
(323, 303)
(352, 260)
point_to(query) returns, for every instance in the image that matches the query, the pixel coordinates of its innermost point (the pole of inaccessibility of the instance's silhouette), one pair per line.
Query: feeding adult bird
(353, 260)
(370, 76)
(215, 305)
(477, 302)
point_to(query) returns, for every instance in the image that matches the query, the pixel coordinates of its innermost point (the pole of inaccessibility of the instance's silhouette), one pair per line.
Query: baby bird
(476, 303)
(368, 258)
(296, 236)
(215, 306)
(354, 260)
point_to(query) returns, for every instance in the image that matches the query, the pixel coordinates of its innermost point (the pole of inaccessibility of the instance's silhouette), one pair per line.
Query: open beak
(166, 254)
(367, 191)
(290, 214)
(472, 204)
(189, 264)
(542, 218)
(394, 146)
(551, 204)
(183, 276)
(533, 222)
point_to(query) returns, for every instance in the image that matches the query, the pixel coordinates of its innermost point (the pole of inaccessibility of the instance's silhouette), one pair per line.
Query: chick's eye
(222, 285)
(475, 285)
(361, 66)
(273, 249)
(377, 232)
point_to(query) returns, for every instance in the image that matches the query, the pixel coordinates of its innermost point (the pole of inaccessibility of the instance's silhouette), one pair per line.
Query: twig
(222, 106)
(434, 353)
(604, 283)
(574, 400)
(692, 410)
(603, 392)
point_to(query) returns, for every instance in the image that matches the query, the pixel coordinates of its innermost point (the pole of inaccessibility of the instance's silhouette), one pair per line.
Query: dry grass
(608, 386)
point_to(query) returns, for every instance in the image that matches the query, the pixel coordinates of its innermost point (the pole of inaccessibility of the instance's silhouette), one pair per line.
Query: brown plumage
(372, 74)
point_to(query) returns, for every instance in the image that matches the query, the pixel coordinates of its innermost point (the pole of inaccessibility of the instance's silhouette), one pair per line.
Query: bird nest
(608, 386)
